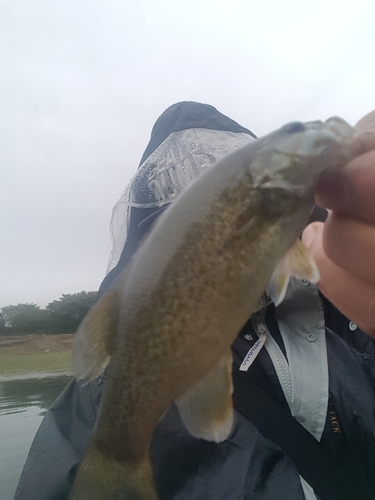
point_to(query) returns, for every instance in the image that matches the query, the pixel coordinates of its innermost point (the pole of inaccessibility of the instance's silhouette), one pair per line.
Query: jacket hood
(189, 114)
(185, 141)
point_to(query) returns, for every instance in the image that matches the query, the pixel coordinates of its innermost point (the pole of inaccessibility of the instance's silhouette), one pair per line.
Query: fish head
(293, 157)
(285, 172)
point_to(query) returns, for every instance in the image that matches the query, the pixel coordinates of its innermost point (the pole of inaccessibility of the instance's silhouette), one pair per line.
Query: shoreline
(34, 375)
(35, 356)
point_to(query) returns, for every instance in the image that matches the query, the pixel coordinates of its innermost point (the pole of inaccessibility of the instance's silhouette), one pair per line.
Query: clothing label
(253, 352)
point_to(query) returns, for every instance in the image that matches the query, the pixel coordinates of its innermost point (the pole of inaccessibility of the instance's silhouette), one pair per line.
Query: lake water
(22, 406)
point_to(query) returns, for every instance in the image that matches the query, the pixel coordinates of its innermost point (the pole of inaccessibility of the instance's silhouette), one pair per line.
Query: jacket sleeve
(59, 443)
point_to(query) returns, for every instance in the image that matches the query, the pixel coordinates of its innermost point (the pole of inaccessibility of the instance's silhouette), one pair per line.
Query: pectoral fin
(93, 342)
(297, 262)
(206, 409)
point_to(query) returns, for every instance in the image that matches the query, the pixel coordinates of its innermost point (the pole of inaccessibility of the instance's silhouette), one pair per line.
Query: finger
(350, 190)
(311, 232)
(350, 243)
(351, 295)
(338, 188)
(367, 122)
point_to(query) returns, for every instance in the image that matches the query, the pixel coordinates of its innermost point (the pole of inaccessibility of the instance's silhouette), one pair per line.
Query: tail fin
(103, 478)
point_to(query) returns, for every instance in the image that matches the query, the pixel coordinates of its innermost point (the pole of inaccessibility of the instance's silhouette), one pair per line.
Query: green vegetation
(26, 364)
(60, 316)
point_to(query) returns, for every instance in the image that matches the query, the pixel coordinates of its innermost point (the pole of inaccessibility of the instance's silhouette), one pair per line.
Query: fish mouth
(305, 147)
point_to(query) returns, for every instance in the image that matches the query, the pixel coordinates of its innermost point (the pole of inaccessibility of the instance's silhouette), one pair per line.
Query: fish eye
(294, 127)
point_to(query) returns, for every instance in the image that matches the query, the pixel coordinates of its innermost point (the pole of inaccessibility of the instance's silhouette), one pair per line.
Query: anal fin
(206, 408)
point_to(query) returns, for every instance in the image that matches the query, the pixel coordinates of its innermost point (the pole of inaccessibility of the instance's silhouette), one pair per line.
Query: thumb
(312, 234)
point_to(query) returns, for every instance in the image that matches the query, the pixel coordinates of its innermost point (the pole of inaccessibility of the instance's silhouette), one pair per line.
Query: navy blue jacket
(247, 465)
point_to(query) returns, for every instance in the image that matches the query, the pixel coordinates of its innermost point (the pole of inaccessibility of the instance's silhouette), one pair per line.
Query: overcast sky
(82, 82)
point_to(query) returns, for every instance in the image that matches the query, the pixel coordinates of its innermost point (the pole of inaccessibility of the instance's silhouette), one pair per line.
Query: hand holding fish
(344, 246)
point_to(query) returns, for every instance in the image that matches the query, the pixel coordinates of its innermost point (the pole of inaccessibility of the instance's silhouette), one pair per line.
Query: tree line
(60, 316)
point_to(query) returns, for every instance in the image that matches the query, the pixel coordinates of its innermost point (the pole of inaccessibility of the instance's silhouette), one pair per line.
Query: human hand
(344, 246)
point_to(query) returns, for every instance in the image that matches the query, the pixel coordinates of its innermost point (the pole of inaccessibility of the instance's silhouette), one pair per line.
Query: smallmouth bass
(167, 324)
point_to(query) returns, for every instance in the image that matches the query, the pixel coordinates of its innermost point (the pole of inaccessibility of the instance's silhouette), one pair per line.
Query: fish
(164, 329)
